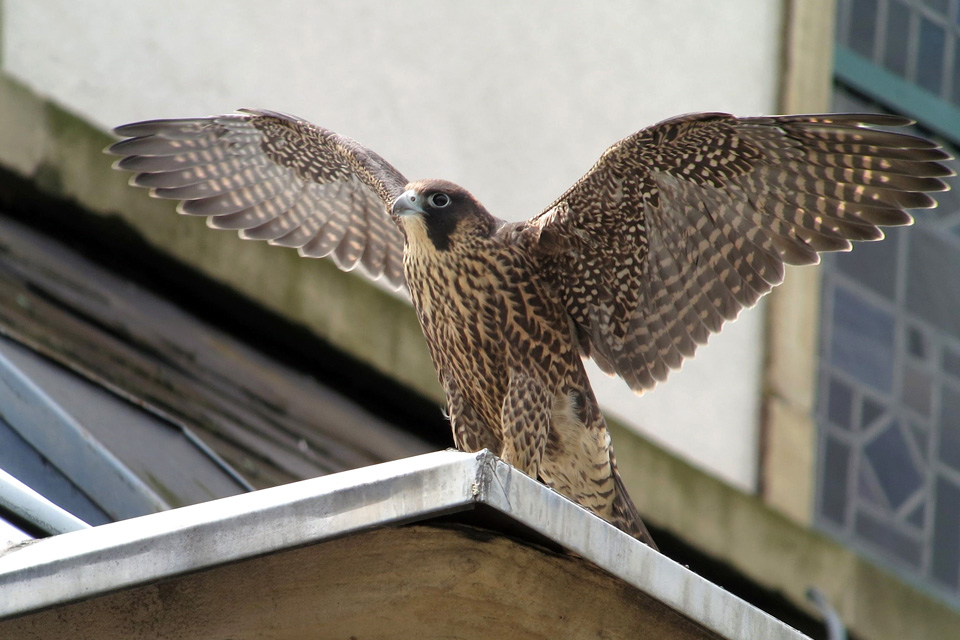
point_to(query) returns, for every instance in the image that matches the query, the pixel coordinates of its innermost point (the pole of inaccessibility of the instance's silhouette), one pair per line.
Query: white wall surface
(513, 100)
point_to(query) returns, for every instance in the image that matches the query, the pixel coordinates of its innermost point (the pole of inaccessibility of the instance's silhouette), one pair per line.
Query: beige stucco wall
(788, 450)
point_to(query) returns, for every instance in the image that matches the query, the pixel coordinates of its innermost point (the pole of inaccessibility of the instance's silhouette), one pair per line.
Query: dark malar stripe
(440, 226)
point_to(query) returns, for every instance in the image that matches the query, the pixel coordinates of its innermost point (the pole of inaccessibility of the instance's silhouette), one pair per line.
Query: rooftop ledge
(323, 552)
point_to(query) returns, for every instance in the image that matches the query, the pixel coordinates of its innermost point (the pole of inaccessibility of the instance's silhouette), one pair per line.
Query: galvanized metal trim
(124, 554)
(28, 505)
(67, 445)
(550, 514)
(140, 550)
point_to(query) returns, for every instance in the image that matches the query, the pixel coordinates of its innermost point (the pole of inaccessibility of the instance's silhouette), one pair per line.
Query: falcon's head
(439, 214)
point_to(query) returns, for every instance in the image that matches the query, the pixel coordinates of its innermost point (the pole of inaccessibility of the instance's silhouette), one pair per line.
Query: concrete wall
(513, 100)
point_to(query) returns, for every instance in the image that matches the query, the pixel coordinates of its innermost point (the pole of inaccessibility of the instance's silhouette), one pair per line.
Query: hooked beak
(408, 204)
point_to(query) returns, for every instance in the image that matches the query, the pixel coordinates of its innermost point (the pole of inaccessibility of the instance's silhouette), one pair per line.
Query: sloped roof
(151, 391)
(659, 597)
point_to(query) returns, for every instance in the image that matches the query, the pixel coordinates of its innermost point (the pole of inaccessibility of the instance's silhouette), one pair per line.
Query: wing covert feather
(681, 225)
(276, 178)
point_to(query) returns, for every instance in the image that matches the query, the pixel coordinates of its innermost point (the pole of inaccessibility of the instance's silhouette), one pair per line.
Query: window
(906, 55)
(914, 39)
(889, 385)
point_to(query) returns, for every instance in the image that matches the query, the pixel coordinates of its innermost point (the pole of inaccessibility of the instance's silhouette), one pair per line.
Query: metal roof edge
(71, 448)
(550, 514)
(123, 554)
(113, 556)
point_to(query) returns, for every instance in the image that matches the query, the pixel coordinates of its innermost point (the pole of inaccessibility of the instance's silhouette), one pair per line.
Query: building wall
(514, 101)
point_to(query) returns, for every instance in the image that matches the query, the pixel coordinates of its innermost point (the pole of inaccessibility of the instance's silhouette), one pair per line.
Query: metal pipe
(836, 630)
(31, 507)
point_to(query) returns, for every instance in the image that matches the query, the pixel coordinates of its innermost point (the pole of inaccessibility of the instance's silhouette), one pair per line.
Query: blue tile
(940, 6)
(862, 340)
(917, 391)
(840, 404)
(894, 466)
(873, 264)
(955, 99)
(868, 490)
(933, 280)
(930, 56)
(918, 345)
(836, 465)
(870, 410)
(863, 25)
(918, 516)
(951, 362)
(921, 438)
(896, 49)
(949, 450)
(945, 562)
(895, 543)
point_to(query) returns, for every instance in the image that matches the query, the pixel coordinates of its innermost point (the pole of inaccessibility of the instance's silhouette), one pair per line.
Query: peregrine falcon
(673, 231)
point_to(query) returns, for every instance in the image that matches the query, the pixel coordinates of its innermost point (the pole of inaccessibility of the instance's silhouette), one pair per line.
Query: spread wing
(681, 225)
(275, 178)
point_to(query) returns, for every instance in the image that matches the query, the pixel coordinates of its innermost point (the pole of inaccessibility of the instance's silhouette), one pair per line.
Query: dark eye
(439, 200)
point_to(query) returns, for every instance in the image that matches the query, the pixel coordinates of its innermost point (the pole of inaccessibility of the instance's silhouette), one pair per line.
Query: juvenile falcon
(673, 231)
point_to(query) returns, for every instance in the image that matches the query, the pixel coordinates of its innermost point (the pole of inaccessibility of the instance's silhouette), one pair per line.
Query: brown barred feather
(712, 207)
(274, 178)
